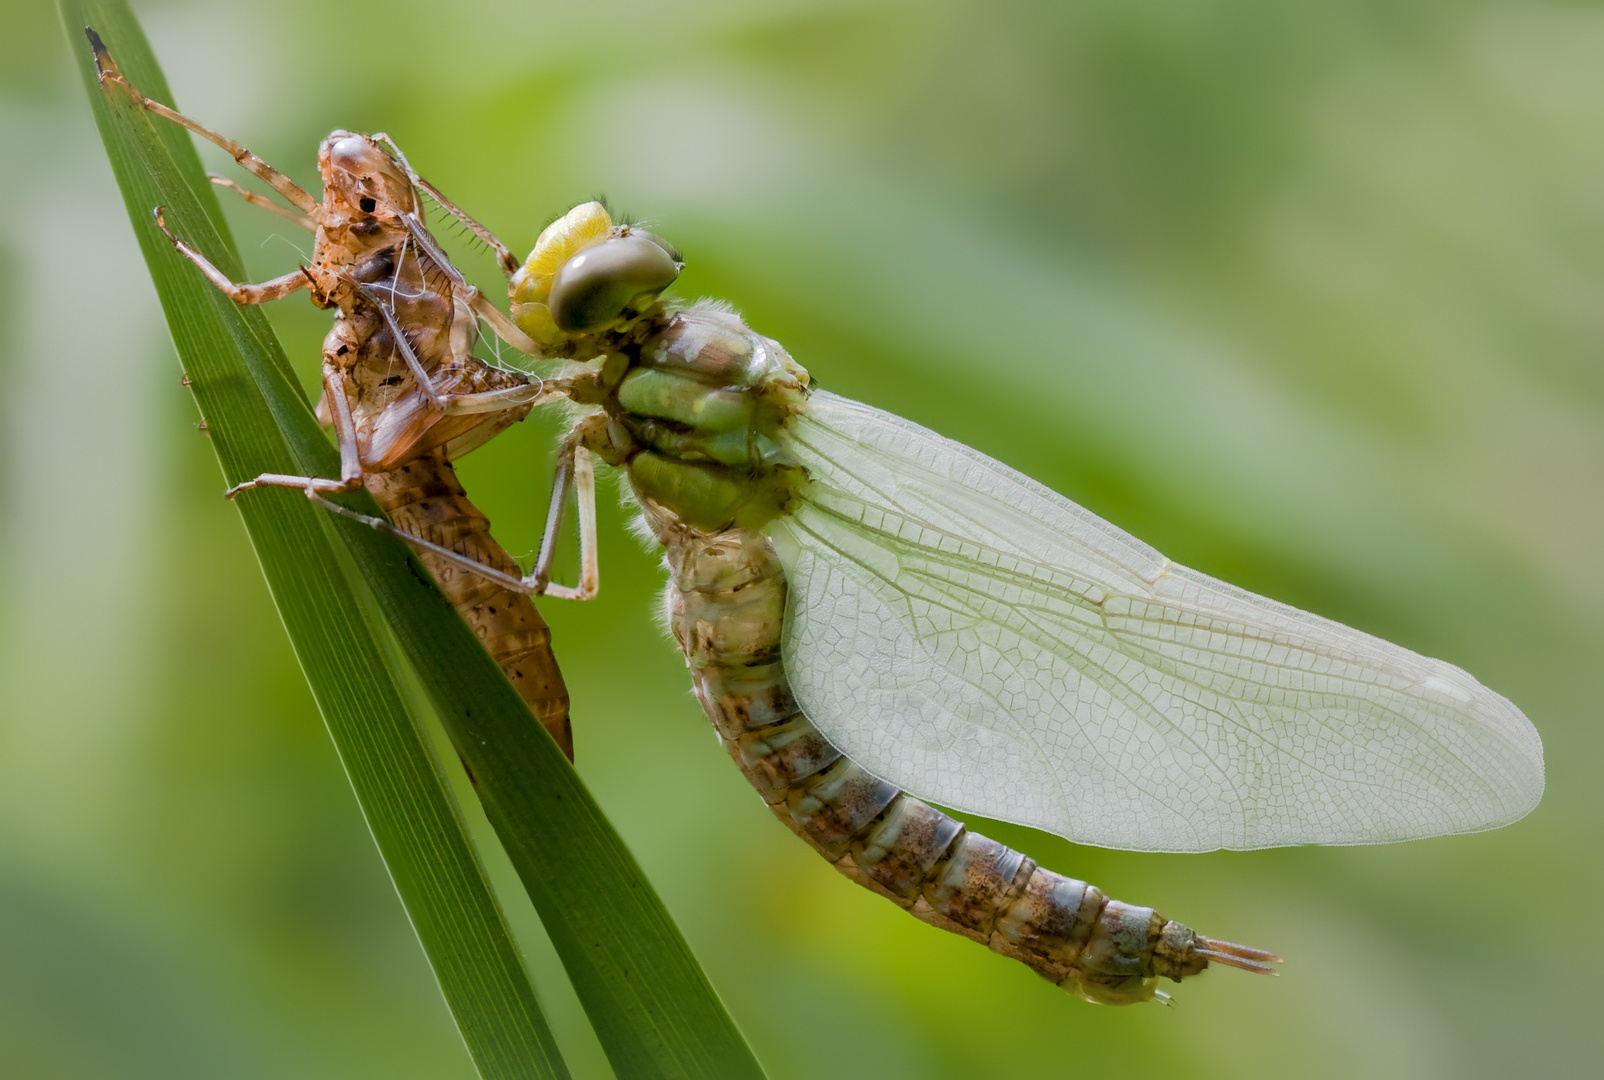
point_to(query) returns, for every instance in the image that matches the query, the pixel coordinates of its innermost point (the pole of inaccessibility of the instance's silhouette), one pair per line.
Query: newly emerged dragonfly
(874, 615)
(402, 387)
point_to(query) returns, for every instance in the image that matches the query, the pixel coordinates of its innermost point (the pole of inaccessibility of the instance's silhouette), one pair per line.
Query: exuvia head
(586, 275)
(359, 172)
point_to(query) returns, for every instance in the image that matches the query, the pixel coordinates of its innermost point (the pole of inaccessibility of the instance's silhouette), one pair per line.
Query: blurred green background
(1307, 295)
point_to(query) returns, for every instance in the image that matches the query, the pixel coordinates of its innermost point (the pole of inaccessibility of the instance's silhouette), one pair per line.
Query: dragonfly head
(361, 179)
(587, 274)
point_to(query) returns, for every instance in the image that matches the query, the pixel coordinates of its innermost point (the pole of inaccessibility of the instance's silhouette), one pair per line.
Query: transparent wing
(982, 641)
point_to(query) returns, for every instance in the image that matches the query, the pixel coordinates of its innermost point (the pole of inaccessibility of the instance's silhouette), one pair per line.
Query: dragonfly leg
(504, 257)
(494, 400)
(503, 326)
(574, 472)
(350, 454)
(276, 289)
(263, 202)
(524, 586)
(465, 291)
(110, 75)
(578, 475)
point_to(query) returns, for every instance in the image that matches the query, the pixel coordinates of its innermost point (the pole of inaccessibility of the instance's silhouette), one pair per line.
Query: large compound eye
(602, 282)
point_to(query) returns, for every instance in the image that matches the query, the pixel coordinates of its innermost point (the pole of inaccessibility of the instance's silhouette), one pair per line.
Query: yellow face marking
(584, 225)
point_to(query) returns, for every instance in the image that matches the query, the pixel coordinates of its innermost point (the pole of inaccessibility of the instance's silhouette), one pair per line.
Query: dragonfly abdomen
(423, 498)
(726, 606)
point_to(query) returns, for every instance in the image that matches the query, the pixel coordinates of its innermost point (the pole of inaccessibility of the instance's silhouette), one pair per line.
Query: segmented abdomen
(424, 499)
(726, 603)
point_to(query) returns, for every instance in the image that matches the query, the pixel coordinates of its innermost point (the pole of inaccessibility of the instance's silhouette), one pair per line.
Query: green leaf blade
(244, 386)
(654, 1011)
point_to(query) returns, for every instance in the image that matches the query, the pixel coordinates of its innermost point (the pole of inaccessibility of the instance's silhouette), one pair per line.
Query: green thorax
(694, 404)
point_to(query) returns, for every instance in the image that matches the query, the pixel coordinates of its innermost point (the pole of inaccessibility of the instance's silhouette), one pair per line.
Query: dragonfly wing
(980, 640)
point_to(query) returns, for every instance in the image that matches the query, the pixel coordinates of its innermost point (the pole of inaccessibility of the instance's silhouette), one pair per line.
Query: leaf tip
(105, 66)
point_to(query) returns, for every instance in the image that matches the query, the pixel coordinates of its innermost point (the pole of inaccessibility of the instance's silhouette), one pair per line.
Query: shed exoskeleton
(402, 387)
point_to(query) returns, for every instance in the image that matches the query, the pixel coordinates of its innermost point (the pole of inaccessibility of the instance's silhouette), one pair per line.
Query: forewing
(982, 641)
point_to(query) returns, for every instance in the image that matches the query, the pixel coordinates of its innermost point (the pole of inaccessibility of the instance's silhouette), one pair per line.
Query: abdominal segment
(424, 499)
(726, 602)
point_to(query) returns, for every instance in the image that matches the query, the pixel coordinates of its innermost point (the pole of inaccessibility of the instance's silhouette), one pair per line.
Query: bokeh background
(1308, 295)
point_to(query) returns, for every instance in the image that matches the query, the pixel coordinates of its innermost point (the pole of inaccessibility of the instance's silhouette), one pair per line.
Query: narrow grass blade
(652, 1007)
(239, 375)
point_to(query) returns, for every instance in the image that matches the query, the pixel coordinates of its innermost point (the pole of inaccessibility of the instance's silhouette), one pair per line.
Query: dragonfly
(402, 387)
(877, 618)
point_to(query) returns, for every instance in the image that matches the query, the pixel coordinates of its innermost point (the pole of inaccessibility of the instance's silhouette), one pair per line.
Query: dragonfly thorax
(694, 413)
